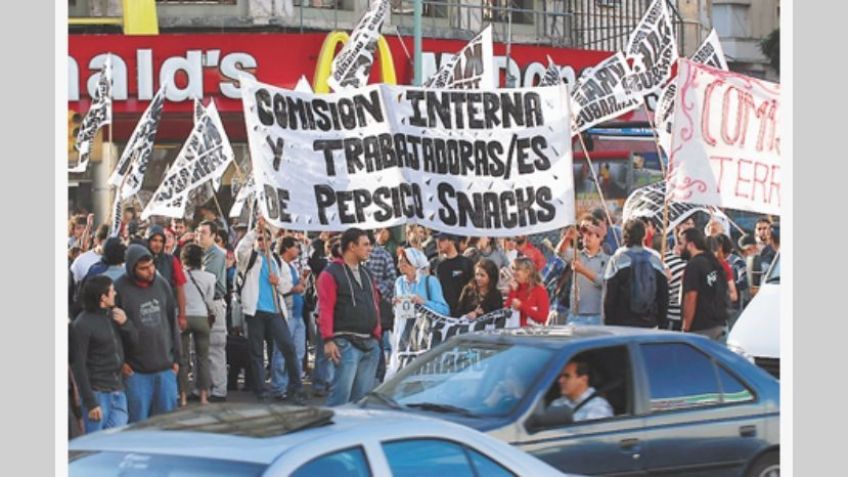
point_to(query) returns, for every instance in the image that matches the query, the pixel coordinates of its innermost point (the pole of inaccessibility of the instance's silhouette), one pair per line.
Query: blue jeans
(150, 394)
(584, 319)
(355, 373)
(279, 377)
(322, 373)
(113, 406)
(259, 327)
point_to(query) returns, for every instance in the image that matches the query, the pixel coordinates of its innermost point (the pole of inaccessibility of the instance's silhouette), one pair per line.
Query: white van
(756, 334)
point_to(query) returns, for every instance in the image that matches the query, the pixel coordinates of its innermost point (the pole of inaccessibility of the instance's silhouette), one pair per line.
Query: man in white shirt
(575, 388)
(82, 263)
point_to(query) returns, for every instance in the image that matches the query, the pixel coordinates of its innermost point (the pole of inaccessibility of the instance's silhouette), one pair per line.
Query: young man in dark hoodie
(635, 289)
(349, 319)
(170, 268)
(98, 336)
(152, 364)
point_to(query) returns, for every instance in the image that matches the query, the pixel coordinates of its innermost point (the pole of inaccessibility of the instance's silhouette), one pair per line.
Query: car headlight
(738, 349)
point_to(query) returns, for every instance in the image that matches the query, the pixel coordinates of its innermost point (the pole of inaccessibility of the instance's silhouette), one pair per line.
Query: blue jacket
(428, 288)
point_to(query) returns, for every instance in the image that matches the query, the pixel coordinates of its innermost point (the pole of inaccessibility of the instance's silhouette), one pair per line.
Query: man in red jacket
(349, 319)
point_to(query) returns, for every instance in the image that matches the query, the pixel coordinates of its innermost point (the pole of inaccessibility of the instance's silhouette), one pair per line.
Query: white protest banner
(709, 53)
(199, 111)
(426, 329)
(136, 155)
(490, 163)
(204, 156)
(725, 148)
(552, 75)
(600, 94)
(653, 48)
(98, 115)
(117, 216)
(352, 66)
(471, 68)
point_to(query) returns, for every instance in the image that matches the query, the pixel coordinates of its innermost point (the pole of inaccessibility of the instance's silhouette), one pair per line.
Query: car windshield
(137, 464)
(469, 378)
(774, 271)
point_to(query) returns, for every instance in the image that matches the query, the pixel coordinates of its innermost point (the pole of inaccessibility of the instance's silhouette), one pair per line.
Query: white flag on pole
(205, 155)
(471, 68)
(99, 115)
(134, 160)
(352, 66)
(653, 48)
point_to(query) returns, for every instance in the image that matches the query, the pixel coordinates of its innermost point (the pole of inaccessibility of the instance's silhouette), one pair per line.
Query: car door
(701, 418)
(426, 457)
(610, 446)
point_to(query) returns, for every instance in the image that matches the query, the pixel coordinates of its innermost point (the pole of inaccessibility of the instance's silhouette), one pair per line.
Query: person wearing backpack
(705, 290)
(635, 291)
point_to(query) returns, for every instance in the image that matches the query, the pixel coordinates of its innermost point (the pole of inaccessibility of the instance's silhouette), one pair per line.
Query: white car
(278, 440)
(756, 334)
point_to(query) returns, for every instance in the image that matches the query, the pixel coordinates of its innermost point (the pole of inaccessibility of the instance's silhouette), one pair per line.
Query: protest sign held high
(725, 148)
(471, 68)
(600, 94)
(352, 66)
(709, 53)
(653, 48)
(129, 173)
(99, 115)
(473, 163)
(205, 155)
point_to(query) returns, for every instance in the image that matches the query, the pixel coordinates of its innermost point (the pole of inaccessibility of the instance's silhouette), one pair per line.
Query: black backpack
(643, 283)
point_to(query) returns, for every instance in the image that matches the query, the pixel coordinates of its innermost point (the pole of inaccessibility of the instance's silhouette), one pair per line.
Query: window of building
(210, 2)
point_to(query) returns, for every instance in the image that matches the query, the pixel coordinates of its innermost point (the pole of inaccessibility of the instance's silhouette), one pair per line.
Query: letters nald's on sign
(725, 148)
(474, 163)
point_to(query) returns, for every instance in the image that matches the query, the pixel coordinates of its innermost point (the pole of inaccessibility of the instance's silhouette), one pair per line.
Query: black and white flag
(426, 329)
(205, 155)
(552, 75)
(99, 115)
(648, 203)
(601, 95)
(129, 173)
(709, 53)
(245, 193)
(653, 48)
(352, 66)
(471, 68)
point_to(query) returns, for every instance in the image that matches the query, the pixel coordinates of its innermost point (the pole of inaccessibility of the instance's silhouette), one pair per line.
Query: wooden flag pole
(598, 185)
(574, 270)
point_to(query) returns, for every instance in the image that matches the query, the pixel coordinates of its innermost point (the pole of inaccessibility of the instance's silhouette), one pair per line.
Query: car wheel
(766, 466)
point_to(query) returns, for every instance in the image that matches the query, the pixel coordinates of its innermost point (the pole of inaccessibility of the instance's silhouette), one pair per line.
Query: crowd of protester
(167, 313)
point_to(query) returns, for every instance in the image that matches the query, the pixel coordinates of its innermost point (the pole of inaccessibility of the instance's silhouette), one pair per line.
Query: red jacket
(534, 303)
(327, 288)
(534, 254)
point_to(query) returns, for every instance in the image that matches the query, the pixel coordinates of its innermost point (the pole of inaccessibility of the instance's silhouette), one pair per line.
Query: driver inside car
(575, 390)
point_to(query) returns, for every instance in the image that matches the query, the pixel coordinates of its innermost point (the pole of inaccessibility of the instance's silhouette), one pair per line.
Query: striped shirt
(382, 267)
(676, 265)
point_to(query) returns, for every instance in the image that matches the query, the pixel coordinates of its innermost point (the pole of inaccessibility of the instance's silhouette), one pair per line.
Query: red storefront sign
(208, 65)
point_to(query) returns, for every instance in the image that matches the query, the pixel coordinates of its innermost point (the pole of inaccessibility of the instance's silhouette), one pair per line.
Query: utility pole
(418, 9)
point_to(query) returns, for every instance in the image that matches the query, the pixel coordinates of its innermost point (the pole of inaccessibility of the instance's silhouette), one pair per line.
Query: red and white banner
(725, 148)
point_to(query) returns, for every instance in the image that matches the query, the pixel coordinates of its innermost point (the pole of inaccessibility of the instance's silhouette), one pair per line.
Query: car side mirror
(545, 417)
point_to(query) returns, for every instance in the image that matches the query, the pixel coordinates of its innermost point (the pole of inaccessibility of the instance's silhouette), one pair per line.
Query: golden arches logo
(328, 52)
